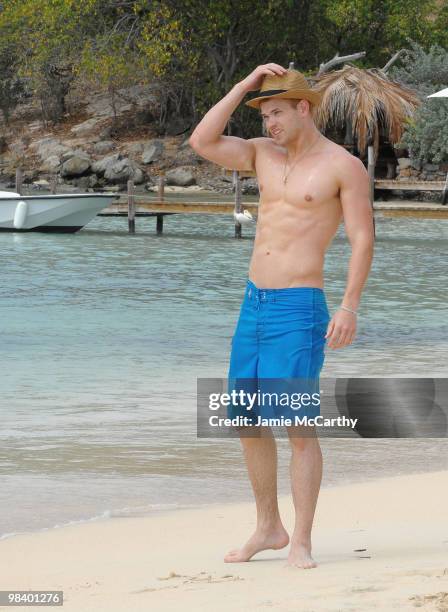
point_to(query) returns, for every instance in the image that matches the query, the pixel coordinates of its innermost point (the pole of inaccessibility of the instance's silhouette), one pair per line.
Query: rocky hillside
(93, 151)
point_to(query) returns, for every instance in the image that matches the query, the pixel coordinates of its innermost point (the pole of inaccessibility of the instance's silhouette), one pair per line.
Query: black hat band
(271, 92)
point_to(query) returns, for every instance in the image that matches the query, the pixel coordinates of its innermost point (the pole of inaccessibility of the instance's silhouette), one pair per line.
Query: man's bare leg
(306, 476)
(261, 459)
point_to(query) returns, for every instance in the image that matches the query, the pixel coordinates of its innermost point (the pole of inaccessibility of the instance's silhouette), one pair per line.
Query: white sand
(174, 561)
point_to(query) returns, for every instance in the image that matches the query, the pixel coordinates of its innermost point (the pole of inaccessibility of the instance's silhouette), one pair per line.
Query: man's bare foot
(273, 539)
(300, 556)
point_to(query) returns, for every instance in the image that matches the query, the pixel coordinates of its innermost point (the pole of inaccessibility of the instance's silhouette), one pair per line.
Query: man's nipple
(308, 198)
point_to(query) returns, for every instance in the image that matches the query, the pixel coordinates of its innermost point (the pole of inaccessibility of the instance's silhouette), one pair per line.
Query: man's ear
(305, 106)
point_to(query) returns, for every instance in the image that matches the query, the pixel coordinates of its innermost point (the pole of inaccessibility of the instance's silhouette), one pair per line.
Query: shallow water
(104, 335)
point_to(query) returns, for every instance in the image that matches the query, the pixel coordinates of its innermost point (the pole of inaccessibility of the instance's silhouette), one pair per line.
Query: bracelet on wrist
(348, 310)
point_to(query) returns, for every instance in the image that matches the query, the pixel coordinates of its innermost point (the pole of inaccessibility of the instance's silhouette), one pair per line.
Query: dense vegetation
(426, 135)
(192, 51)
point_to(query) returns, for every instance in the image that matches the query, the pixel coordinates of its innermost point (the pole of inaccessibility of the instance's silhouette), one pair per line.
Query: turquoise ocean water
(104, 335)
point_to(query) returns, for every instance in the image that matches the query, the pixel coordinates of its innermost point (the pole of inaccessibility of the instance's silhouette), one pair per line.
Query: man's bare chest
(311, 184)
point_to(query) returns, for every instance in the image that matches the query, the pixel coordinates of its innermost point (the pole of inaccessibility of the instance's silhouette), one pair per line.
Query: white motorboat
(50, 213)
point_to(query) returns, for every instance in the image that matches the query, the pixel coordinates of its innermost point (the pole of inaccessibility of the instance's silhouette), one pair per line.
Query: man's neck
(305, 140)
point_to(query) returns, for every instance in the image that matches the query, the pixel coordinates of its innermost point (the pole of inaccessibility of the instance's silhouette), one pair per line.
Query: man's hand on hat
(254, 80)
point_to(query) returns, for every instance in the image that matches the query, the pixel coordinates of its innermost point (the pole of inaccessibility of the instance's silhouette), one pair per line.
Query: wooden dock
(149, 208)
(396, 208)
(395, 185)
(131, 205)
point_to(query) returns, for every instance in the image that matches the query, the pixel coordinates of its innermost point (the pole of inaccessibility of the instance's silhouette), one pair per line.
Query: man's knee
(253, 435)
(302, 438)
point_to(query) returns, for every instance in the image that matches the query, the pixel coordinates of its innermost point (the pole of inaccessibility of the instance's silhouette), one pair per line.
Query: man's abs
(296, 222)
(286, 256)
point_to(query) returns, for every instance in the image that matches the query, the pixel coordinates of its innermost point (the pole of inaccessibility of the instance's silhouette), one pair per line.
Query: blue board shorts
(277, 348)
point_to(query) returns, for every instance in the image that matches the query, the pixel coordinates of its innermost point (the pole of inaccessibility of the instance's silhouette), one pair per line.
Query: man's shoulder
(344, 162)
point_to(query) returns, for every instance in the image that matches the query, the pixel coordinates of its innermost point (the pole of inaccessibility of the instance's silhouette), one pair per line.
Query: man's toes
(302, 565)
(234, 556)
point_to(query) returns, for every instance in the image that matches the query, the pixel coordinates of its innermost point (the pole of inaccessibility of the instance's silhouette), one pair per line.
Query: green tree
(192, 52)
(379, 27)
(12, 88)
(426, 135)
(48, 36)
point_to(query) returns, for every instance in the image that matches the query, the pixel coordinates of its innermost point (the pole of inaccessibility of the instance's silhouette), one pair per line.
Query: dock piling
(54, 184)
(131, 207)
(161, 194)
(19, 180)
(238, 201)
(445, 191)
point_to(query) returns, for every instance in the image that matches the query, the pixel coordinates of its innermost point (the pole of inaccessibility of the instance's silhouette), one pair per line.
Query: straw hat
(292, 85)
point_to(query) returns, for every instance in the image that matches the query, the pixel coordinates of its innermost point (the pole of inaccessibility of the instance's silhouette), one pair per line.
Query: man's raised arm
(229, 151)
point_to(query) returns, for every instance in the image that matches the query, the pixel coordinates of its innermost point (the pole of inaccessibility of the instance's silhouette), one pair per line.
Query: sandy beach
(379, 545)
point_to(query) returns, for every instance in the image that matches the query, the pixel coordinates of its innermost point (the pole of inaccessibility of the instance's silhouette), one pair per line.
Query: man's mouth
(276, 132)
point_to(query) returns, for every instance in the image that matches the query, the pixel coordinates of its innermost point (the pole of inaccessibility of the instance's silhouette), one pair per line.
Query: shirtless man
(308, 185)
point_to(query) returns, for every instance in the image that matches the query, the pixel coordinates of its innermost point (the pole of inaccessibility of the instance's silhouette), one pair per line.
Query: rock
(112, 188)
(17, 149)
(444, 168)
(51, 164)
(67, 188)
(103, 146)
(138, 177)
(47, 147)
(94, 182)
(82, 182)
(3, 144)
(69, 154)
(180, 176)
(177, 125)
(249, 186)
(430, 167)
(106, 133)
(139, 96)
(75, 166)
(123, 170)
(185, 144)
(86, 127)
(416, 164)
(186, 156)
(100, 166)
(135, 148)
(149, 186)
(405, 172)
(31, 175)
(41, 184)
(404, 162)
(153, 151)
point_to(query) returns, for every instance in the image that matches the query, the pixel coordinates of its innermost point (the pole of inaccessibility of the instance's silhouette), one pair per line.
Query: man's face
(281, 118)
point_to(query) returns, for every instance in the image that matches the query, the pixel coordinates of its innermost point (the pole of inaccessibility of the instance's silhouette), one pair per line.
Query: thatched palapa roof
(368, 100)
